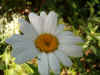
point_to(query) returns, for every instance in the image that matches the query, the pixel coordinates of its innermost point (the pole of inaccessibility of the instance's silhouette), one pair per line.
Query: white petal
(44, 17)
(22, 57)
(14, 39)
(27, 29)
(60, 28)
(43, 14)
(43, 64)
(68, 38)
(71, 50)
(54, 63)
(37, 22)
(60, 31)
(63, 58)
(64, 33)
(24, 46)
(50, 23)
(68, 44)
(23, 49)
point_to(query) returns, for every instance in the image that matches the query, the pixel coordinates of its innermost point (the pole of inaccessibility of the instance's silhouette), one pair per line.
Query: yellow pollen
(46, 43)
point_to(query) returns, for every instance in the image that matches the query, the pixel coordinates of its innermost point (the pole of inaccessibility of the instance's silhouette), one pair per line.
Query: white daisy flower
(43, 38)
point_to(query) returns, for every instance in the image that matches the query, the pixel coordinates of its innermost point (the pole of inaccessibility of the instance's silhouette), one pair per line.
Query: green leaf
(27, 68)
(94, 50)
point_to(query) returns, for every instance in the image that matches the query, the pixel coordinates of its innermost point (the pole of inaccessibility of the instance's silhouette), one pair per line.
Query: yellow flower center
(46, 43)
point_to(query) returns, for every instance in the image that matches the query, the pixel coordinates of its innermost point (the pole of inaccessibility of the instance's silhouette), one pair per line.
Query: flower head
(43, 38)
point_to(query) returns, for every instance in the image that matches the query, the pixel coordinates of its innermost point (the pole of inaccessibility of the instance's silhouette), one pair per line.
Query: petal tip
(52, 13)
(31, 14)
(43, 12)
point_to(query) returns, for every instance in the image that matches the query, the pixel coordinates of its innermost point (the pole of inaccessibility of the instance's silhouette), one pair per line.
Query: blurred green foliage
(80, 16)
